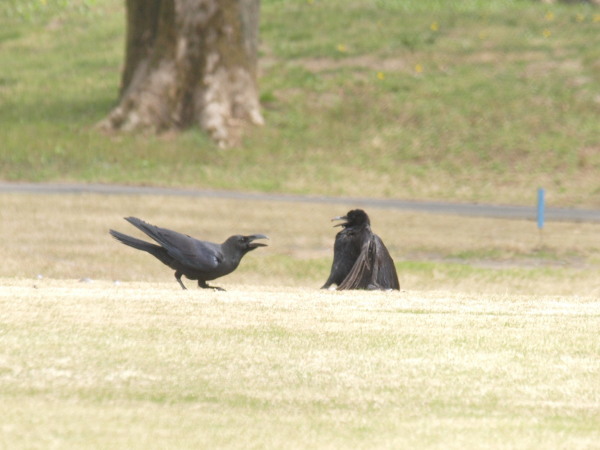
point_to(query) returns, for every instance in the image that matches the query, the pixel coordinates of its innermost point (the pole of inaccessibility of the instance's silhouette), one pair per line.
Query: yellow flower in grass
(342, 48)
(434, 26)
(547, 33)
(380, 76)
(596, 18)
(419, 68)
(549, 16)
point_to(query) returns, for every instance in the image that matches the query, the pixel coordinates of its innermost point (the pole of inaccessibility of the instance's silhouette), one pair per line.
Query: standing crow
(197, 260)
(360, 260)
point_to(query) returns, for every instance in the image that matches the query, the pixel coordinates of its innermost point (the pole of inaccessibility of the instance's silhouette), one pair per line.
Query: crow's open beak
(340, 218)
(253, 237)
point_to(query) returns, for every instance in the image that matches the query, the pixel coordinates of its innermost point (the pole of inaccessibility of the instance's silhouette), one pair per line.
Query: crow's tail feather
(155, 250)
(135, 243)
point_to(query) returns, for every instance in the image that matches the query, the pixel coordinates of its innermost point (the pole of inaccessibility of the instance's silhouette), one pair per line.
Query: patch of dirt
(330, 64)
(492, 56)
(364, 61)
(544, 68)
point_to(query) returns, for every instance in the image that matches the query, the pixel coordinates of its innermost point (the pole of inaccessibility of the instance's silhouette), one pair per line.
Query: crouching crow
(197, 260)
(360, 260)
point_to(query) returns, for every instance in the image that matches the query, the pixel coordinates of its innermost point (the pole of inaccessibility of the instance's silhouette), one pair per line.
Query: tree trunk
(190, 62)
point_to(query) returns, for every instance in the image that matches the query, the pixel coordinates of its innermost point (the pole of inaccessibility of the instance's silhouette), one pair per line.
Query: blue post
(540, 208)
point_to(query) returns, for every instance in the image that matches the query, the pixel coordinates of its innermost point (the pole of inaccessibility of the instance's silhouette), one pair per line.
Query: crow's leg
(203, 285)
(178, 277)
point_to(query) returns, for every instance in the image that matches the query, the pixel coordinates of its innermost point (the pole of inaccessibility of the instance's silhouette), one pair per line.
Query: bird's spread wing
(387, 278)
(188, 251)
(373, 269)
(360, 274)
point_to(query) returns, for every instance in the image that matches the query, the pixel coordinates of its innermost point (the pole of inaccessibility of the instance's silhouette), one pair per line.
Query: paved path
(467, 209)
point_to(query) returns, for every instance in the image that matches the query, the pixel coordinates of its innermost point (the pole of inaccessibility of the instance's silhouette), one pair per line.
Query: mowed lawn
(492, 342)
(144, 365)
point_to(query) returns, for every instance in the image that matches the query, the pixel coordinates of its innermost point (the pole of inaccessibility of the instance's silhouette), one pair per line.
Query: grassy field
(493, 340)
(66, 237)
(145, 365)
(473, 100)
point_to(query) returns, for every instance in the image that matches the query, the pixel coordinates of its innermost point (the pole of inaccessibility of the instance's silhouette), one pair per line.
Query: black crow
(197, 260)
(360, 260)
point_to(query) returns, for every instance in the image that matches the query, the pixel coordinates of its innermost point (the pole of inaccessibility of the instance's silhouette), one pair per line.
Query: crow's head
(354, 218)
(246, 243)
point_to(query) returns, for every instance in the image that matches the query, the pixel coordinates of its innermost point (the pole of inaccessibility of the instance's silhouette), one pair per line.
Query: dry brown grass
(144, 365)
(460, 358)
(66, 236)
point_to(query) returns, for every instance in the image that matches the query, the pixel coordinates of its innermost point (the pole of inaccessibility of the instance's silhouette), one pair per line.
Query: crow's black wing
(373, 269)
(387, 278)
(190, 252)
(362, 270)
(346, 250)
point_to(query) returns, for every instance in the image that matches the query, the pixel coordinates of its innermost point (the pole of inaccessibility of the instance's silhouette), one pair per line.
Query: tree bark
(190, 62)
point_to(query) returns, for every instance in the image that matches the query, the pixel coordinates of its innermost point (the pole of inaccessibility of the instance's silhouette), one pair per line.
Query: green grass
(493, 341)
(477, 101)
(144, 365)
